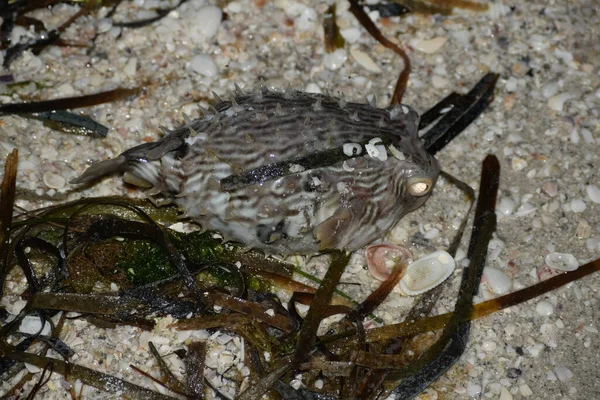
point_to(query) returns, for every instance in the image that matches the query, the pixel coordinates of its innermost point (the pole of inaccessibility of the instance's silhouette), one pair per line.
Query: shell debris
(381, 258)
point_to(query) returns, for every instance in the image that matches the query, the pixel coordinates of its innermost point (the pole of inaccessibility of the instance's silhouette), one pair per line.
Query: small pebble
(496, 280)
(511, 84)
(550, 89)
(514, 373)
(32, 325)
(473, 389)
(562, 261)
(32, 368)
(203, 64)
(584, 229)
(518, 163)
(335, 60)
(544, 308)
(557, 102)
(429, 46)
(103, 25)
(593, 193)
(505, 394)
(563, 373)
(536, 349)
(130, 67)
(432, 233)
(592, 244)
(577, 205)
(234, 7)
(350, 35)
(525, 390)
(587, 136)
(312, 88)
(439, 82)
(550, 189)
(306, 21)
(207, 21)
(510, 329)
(488, 346)
(538, 42)
(506, 206)
(574, 136)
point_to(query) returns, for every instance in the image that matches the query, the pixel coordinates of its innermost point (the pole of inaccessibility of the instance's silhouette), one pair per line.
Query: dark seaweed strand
(466, 108)
(320, 159)
(318, 309)
(67, 102)
(52, 36)
(82, 123)
(456, 333)
(374, 378)
(369, 25)
(7, 199)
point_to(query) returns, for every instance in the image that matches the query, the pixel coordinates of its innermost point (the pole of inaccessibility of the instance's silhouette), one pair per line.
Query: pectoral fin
(329, 232)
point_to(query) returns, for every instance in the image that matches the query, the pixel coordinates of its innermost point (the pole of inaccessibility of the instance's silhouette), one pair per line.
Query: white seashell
(562, 261)
(429, 46)
(53, 180)
(427, 273)
(365, 61)
(32, 325)
(578, 205)
(506, 206)
(496, 280)
(206, 22)
(335, 60)
(593, 193)
(558, 101)
(203, 65)
(381, 258)
(351, 35)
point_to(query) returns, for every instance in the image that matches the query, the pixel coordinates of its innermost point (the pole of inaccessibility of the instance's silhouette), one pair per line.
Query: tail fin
(101, 168)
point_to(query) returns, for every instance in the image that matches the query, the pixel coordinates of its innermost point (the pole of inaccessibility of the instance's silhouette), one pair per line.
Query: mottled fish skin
(345, 205)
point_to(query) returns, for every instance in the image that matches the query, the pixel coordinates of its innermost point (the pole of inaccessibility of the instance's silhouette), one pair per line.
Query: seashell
(427, 272)
(496, 280)
(381, 258)
(429, 46)
(53, 180)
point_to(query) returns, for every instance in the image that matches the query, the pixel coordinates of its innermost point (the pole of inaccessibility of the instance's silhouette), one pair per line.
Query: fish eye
(419, 187)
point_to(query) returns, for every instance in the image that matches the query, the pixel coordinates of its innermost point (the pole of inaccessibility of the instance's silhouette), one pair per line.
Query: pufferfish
(288, 172)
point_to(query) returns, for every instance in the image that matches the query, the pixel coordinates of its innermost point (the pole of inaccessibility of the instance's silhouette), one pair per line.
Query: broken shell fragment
(427, 273)
(381, 258)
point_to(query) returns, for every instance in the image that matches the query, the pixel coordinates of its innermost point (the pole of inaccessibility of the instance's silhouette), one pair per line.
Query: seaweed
(365, 21)
(46, 106)
(333, 38)
(68, 122)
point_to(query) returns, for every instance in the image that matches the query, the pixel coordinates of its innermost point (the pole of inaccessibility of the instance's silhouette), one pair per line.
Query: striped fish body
(289, 173)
